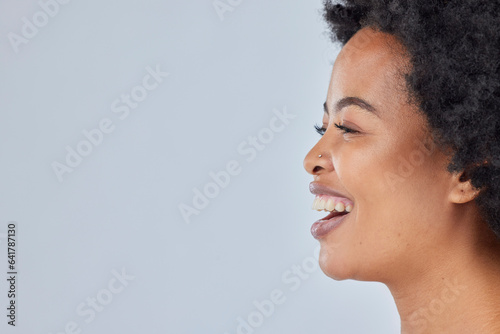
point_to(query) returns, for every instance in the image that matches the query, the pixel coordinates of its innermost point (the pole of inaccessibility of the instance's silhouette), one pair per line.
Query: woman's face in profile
(388, 168)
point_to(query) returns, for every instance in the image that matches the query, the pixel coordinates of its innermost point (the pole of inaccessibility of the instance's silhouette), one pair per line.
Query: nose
(314, 164)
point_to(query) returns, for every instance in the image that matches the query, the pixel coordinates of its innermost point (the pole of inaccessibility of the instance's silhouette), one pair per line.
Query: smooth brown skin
(422, 235)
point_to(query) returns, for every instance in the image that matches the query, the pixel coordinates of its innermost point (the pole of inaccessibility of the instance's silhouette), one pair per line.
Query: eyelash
(342, 128)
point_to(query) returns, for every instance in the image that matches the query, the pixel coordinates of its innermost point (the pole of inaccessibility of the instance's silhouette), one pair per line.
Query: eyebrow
(352, 101)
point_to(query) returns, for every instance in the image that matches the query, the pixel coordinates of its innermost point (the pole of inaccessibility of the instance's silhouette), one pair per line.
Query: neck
(457, 293)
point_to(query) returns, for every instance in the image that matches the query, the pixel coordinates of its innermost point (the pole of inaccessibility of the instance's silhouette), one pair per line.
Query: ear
(462, 190)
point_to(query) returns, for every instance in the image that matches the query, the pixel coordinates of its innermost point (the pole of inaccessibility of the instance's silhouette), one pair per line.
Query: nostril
(317, 169)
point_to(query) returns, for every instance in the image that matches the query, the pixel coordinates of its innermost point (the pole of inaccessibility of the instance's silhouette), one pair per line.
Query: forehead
(368, 67)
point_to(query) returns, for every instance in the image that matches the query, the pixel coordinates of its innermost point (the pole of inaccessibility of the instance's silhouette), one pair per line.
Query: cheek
(400, 192)
(385, 186)
(361, 168)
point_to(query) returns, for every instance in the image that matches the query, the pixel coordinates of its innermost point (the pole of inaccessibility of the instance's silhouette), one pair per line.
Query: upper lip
(320, 189)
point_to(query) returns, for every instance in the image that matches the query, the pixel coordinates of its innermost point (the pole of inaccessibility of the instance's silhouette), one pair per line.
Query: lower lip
(322, 227)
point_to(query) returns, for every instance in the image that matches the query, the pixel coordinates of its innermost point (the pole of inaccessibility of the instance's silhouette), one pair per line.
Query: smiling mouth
(332, 204)
(337, 208)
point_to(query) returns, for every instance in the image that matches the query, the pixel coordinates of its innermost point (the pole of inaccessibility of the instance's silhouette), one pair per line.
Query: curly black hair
(454, 49)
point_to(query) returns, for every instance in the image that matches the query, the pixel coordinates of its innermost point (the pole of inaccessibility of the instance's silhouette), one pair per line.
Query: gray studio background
(104, 248)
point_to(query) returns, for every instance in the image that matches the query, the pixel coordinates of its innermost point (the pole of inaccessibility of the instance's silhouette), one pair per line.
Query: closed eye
(345, 129)
(322, 130)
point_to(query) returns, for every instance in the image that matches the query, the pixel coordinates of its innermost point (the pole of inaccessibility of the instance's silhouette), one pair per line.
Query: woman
(409, 159)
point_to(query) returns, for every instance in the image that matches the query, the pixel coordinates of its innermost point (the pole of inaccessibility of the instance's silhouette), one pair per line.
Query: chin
(340, 266)
(334, 265)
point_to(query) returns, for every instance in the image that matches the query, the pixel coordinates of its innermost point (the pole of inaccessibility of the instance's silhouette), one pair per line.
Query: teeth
(329, 204)
(321, 205)
(315, 202)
